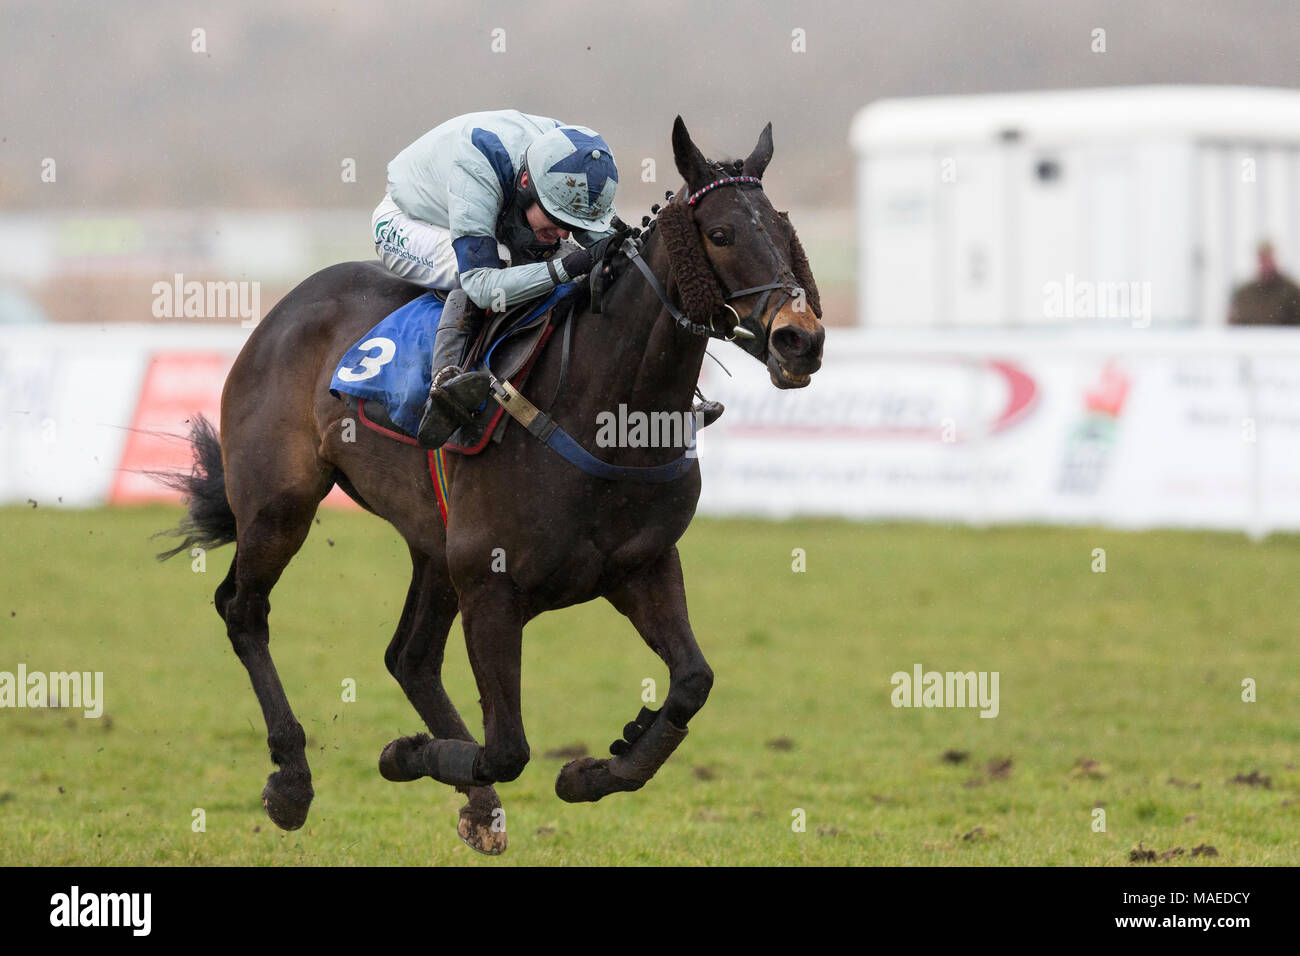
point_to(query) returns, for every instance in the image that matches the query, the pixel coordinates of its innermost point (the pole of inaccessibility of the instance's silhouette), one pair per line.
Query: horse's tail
(209, 522)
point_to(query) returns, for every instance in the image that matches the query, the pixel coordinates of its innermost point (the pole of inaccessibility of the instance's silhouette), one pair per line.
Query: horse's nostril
(791, 340)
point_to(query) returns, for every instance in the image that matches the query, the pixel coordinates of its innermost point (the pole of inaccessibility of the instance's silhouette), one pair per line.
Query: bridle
(541, 426)
(760, 314)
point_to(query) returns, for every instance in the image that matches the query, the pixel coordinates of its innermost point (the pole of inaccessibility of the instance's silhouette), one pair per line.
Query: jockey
(485, 205)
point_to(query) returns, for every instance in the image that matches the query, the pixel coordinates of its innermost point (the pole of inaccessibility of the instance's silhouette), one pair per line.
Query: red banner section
(177, 386)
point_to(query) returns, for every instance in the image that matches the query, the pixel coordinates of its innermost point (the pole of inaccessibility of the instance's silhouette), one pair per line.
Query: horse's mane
(691, 271)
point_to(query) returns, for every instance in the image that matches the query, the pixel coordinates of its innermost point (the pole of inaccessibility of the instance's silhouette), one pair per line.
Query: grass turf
(1119, 690)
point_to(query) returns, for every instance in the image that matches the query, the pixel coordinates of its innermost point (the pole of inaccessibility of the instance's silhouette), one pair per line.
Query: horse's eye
(720, 237)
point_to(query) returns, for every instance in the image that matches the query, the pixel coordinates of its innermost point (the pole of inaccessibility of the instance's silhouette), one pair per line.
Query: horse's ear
(690, 161)
(762, 154)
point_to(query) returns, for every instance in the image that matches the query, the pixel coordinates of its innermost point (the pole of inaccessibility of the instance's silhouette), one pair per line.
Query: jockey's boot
(706, 412)
(455, 394)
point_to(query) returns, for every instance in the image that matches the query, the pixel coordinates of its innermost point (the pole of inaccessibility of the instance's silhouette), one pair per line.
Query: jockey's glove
(581, 261)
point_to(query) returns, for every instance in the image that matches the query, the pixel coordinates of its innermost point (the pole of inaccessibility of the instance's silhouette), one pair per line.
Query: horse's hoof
(587, 779)
(400, 756)
(482, 823)
(480, 836)
(287, 801)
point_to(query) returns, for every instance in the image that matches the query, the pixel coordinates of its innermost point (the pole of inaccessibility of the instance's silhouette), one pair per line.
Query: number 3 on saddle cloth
(386, 376)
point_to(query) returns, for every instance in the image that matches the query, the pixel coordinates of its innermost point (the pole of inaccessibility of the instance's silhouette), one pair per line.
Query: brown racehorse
(567, 536)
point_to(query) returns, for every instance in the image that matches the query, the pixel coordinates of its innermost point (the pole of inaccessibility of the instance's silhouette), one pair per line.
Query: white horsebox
(1115, 207)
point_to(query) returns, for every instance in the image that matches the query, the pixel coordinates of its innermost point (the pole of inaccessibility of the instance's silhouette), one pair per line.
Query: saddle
(507, 345)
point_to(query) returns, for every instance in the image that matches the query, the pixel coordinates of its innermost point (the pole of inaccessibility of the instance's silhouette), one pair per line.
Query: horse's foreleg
(415, 659)
(654, 600)
(493, 637)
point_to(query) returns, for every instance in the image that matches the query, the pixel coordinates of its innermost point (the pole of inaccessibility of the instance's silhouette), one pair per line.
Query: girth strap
(540, 425)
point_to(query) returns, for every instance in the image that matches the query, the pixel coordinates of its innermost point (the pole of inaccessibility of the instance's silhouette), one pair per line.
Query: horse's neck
(636, 355)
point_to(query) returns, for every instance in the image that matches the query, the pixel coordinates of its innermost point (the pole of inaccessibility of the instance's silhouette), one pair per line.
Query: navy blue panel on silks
(391, 363)
(489, 144)
(476, 252)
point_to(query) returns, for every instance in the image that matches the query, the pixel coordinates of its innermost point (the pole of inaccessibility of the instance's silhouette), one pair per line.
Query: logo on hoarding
(902, 403)
(1092, 438)
(1022, 393)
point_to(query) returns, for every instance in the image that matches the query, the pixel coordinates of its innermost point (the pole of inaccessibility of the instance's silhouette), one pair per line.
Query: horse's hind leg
(226, 589)
(271, 529)
(654, 600)
(414, 658)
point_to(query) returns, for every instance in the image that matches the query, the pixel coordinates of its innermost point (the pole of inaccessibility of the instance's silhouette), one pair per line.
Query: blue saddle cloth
(391, 364)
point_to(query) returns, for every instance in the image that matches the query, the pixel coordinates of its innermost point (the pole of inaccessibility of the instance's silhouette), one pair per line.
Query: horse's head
(737, 263)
